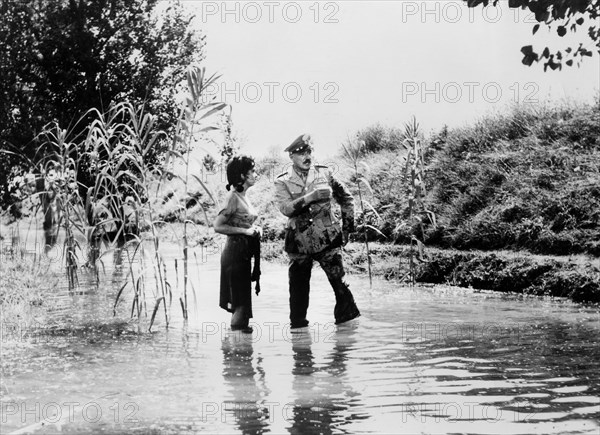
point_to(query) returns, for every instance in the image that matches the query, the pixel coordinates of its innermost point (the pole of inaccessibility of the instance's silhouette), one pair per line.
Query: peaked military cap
(300, 144)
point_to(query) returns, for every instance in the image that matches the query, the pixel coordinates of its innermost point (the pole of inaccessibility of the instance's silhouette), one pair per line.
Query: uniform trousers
(300, 268)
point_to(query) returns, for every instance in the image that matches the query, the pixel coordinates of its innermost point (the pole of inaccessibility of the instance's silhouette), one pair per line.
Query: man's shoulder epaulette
(283, 174)
(322, 166)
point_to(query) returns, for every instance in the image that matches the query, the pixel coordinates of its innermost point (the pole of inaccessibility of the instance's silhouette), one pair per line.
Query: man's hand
(319, 194)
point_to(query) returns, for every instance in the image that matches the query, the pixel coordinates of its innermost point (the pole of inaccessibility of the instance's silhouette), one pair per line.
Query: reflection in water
(324, 396)
(245, 376)
(420, 361)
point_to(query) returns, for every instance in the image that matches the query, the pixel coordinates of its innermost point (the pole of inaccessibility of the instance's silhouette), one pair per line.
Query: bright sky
(332, 68)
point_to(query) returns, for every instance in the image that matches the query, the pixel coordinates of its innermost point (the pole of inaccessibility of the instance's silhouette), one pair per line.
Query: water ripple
(419, 360)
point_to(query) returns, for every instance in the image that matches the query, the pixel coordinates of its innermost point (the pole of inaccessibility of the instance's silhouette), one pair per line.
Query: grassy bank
(526, 180)
(575, 277)
(516, 198)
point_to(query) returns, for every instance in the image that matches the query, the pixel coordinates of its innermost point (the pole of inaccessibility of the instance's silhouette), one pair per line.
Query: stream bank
(576, 277)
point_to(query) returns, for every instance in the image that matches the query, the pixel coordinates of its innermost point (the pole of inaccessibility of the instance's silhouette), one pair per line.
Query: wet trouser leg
(300, 268)
(333, 266)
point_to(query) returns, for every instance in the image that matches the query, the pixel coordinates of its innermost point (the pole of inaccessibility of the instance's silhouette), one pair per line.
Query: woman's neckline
(246, 201)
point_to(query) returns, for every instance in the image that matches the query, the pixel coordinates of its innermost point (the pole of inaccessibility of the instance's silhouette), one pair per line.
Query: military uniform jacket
(313, 227)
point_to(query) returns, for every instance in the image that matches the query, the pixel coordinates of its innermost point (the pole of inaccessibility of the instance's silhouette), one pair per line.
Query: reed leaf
(432, 217)
(207, 190)
(169, 288)
(350, 157)
(183, 310)
(150, 144)
(208, 128)
(118, 297)
(191, 86)
(368, 204)
(19, 155)
(156, 306)
(211, 112)
(133, 304)
(371, 227)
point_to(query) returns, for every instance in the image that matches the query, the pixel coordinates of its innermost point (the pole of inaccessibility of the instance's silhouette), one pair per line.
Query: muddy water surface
(419, 360)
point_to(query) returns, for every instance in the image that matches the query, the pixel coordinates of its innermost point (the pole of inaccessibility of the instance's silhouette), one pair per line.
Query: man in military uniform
(305, 193)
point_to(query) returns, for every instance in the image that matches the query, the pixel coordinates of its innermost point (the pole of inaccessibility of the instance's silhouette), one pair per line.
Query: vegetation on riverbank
(527, 180)
(526, 183)
(23, 286)
(574, 277)
(516, 199)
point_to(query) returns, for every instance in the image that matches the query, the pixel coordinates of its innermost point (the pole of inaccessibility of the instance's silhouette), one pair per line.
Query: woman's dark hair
(236, 168)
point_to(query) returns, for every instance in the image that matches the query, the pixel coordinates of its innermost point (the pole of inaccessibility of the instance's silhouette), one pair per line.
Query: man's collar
(301, 173)
(295, 177)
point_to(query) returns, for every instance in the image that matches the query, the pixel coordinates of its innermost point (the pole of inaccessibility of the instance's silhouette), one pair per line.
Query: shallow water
(419, 360)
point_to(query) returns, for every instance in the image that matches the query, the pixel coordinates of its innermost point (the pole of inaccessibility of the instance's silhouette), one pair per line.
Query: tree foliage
(564, 16)
(60, 58)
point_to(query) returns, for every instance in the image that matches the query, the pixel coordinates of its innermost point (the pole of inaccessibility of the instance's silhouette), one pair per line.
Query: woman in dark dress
(236, 220)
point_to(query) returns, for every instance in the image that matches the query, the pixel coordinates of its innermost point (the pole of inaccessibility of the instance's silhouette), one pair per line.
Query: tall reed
(414, 180)
(114, 152)
(194, 120)
(60, 194)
